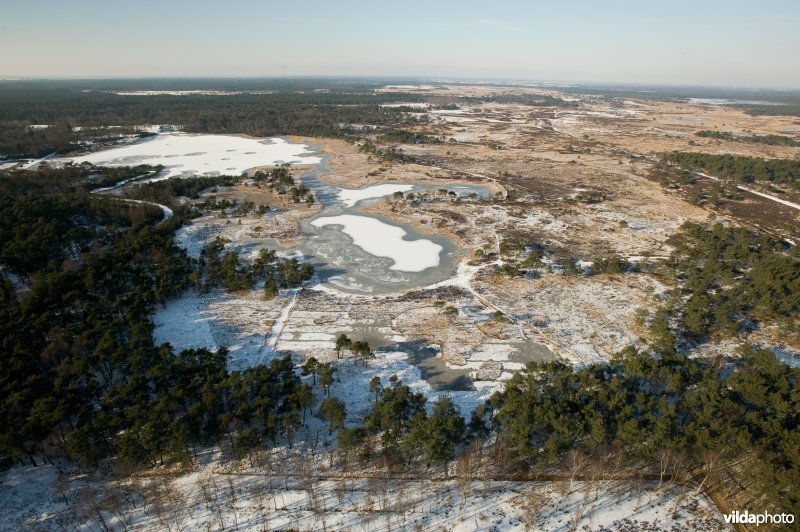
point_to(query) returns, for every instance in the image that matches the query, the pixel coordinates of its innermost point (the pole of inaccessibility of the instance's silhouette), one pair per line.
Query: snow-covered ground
(383, 240)
(184, 323)
(242, 323)
(186, 154)
(34, 162)
(587, 319)
(353, 376)
(217, 496)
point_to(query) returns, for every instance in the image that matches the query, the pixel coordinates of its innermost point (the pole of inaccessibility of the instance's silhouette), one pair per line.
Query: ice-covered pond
(366, 253)
(184, 154)
(381, 239)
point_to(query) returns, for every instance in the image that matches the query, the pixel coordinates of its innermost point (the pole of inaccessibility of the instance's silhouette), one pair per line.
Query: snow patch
(352, 196)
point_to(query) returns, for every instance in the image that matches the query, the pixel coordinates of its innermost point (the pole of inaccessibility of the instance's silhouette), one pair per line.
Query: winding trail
(164, 209)
(167, 212)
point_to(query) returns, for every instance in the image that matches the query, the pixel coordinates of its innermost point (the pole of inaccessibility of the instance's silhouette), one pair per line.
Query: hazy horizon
(714, 44)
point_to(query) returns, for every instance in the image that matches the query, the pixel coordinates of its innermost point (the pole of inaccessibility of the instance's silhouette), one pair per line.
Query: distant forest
(782, 172)
(77, 114)
(772, 140)
(82, 111)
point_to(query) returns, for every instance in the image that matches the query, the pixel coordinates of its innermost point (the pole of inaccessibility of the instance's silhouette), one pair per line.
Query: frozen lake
(185, 154)
(370, 254)
(383, 240)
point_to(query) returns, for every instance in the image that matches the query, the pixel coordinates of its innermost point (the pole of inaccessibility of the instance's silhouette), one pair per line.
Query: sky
(676, 42)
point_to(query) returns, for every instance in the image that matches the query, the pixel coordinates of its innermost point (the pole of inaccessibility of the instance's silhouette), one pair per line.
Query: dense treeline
(534, 100)
(671, 413)
(784, 172)
(191, 399)
(403, 136)
(165, 191)
(18, 140)
(316, 111)
(49, 216)
(108, 176)
(78, 333)
(399, 427)
(728, 279)
(390, 154)
(788, 109)
(773, 140)
(79, 371)
(218, 267)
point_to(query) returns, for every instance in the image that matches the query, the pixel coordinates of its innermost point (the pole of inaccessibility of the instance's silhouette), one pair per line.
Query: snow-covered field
(242, 323)
(185, 154)
(588, 319)
(255, 331)
(184, 323)
(383, 240)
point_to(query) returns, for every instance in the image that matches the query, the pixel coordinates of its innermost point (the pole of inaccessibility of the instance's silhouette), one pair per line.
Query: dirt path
(167, 212)
(277, 327)
(164, 209)
(761, 194)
